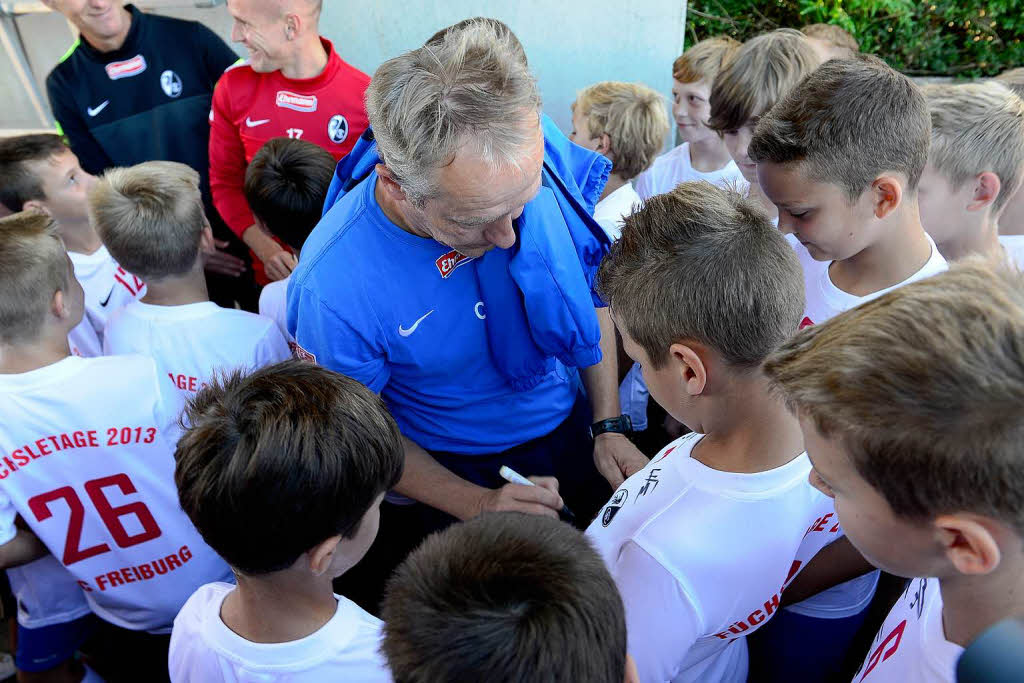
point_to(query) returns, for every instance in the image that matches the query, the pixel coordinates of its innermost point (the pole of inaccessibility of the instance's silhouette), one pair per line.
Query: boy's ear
(604, 146)
(969, 544)
(693, 374)
(887, 194)
(58, 305)
(36, 205)
(389, 183)
(321, 555)
(986, 189)
(207, 245)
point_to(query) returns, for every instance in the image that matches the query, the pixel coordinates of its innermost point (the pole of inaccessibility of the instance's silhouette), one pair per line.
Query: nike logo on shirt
(107, 300)
(252, 124)
(93, 111)
(406, 332)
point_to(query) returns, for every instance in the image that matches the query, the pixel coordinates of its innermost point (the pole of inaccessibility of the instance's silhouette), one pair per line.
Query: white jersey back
(701, 556)
(674, 167)
(203, 648)
(86, 458)
(911, 646)
(191, 342)
(107, 286)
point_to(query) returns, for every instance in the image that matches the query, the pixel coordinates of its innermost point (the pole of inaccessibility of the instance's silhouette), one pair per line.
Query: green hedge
(940, 38)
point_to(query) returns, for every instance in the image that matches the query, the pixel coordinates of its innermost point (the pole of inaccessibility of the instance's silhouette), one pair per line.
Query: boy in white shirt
(702, 154)
(975, 165)
(283, 472)
(39, 173)
(702, 540)
(86, 463)
(285, 186)
(505, 597)
(625, 122)
(150, 217)
(931, 486)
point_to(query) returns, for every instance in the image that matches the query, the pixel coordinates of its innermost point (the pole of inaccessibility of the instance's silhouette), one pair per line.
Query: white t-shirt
(86, 458)
(107, 286)
(1014, 246)
(911, 646)
(192, 341)
(203, 648)
(610, 213)
(674, 167)
(825, 300)
(46, 593)
(701, 556)
(274, 305)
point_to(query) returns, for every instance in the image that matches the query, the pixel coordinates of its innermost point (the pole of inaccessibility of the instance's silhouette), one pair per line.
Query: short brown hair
(849, 121)
(977, 127)
(833, 35)
(150, 217)
(505, 597)
(704, 60)
(18, 184)
(277, 461)
(286, 184)
(634, 118)
(500, 28)
(924, 388)
(705, 264)
(763, 70)
(33, 267)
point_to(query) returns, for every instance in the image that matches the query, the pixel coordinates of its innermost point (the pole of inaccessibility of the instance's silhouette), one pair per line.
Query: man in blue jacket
(478, 351)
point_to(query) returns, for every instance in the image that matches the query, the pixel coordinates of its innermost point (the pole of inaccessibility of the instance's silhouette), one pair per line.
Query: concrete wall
(570, 44)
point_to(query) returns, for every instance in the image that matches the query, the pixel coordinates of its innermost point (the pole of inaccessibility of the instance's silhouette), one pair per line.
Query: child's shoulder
(201, 605)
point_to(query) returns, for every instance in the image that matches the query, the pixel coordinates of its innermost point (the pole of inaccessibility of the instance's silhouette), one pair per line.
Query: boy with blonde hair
(764, 69)
(625, 122)
(283, 472)
(702, 154)
(39, 173)
(150, 217)
(831, 41)
(702, 288)
(975, 165)
(1012, 222)
(87, 463)
(933, 484)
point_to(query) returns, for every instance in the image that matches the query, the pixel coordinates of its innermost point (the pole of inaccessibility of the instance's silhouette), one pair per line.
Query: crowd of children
(819, 286)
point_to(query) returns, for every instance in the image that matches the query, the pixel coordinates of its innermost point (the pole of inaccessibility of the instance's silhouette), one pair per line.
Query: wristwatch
(616, 425)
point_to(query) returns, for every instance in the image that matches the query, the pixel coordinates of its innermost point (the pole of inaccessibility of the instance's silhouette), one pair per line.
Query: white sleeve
(7, 515)
(661, 620)
(272, 347)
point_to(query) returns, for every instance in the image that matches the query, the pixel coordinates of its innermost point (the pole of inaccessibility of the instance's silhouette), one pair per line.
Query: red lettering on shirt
(126, 68)
(447, 263)
(880, 654)
(142, 572)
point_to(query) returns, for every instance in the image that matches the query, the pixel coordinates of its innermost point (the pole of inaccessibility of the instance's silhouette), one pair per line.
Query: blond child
(702, 154)
(975, 165)
(625, 122)
(932, 485)
(150, 217)
(831, 41)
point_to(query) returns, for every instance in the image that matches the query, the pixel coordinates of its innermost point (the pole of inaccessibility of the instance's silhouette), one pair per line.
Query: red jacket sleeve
(227, 162)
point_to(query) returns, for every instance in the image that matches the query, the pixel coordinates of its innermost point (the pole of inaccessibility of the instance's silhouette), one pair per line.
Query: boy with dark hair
(151, 217)
(841, 156)
(702, 288)
(505, 597)
(283, 472)
(975, 166)
(285, 186)
(933, 484)
(39, 173)
(87, 446)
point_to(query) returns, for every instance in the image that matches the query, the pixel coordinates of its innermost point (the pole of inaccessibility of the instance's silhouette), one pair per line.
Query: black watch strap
(616, 425)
